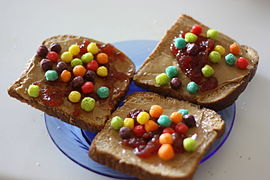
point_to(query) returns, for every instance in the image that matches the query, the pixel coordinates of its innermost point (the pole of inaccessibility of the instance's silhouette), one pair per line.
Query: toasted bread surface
(94, 120)
(105, 148)
(232, 81)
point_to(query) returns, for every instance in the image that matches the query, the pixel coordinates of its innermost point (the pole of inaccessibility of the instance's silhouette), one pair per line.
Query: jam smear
(193, 58)
(51, 96)
(111, 51)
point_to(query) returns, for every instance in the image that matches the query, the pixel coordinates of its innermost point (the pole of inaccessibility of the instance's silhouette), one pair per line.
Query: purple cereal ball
(125, 133)
(61, 66)
(46, 64)
(189, 120)
(175, 83)
(42, 51)
(90, 76)
(77, 82)
(56, 47)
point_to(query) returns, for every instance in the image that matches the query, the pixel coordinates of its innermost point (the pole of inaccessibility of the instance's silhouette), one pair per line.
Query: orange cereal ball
(166, 152)
(166, 138)
(102, 58)
(65, 76)
(156, 111)
(79, 70)
(150, 125)
(176, 117)
(235, 48)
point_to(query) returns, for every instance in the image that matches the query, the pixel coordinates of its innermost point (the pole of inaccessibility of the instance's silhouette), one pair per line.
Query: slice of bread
(67, 111)
(232, 81)
(105, 148)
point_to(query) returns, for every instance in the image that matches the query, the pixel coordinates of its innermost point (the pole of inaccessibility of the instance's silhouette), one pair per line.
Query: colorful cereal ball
(183, 111)
(76, 62)
(51, 75)
(102, 58)
(103, 92)
(129, 122)
(74, 96)
(102, 71)
(65, 76)
(66, 57)
(87, 57)
(166, 152)
(156, 111)
(87, 87)
(53, 56)
(189, 144)
(150, 125)
(74, 49)
(117, 122)
(139, 130)
(190, 37)
(92, 65)
(214, 57)
(179, 43)
(176, 117)
(207, 71)
(220, 49)
(166, 138)
(235, 48)
(196, 29)
(92, 48)
(79, 70)
(171, 71)
(230, 59)
(162, 79)
(181, 128)
(242, 63)
(212, 34)
(33, 91)
(143, 117)
(88, 104)
(192, 87)
(164, 121)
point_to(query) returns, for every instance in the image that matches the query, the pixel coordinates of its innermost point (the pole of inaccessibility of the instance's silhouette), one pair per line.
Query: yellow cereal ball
(143, 117)
(66, 57)
(220, 49)
(74, 96)
(102, 71)
(74, 49)
(129, 122)
(92, 48)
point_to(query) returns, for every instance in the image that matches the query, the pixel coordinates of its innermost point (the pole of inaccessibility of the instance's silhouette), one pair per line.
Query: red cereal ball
(139, 130)
(196, 29)
(168, 130)
(53, 56)
(242, 63)
(87, 87)
(92, 65)
(181, 128)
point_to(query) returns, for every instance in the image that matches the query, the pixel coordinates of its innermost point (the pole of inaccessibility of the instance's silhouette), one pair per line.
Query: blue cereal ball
(192, 87)
(103, 92)
(180, 43)
(51, 75)
(164, 121)
(183, 111)
(171, 71)
(230, 59)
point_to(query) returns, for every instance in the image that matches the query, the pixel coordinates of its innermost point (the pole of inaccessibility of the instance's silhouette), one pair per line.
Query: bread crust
(219, 100)
(111, 159)
(54, 111)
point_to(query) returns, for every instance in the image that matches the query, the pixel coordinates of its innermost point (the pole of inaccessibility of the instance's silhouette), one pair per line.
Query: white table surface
(26, 150)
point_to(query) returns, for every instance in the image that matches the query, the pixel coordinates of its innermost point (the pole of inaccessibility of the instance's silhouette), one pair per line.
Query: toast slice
(121, 70)
(232, 81)
(105, 147)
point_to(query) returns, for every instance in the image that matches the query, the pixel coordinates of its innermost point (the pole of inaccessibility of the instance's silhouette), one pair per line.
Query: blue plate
(74, 142)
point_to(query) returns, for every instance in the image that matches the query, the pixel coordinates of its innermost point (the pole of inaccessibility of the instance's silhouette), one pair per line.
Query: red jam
(51, 96)
(192, 58)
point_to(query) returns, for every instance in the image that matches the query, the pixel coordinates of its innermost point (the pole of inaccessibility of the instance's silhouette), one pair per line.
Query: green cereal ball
(162, 79)
(76, 62)
(183, 111)
(214, 57)
(190, 37)
(33, 91)
(117, 122)
(192, 87)
(212, 34)
(171, 71)
(220, 49)
(103, 92)
(51, 75)
(208, 71)
(88, 104)
(87, 57)
(189, 144)
(179, 43)
(230, 59)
